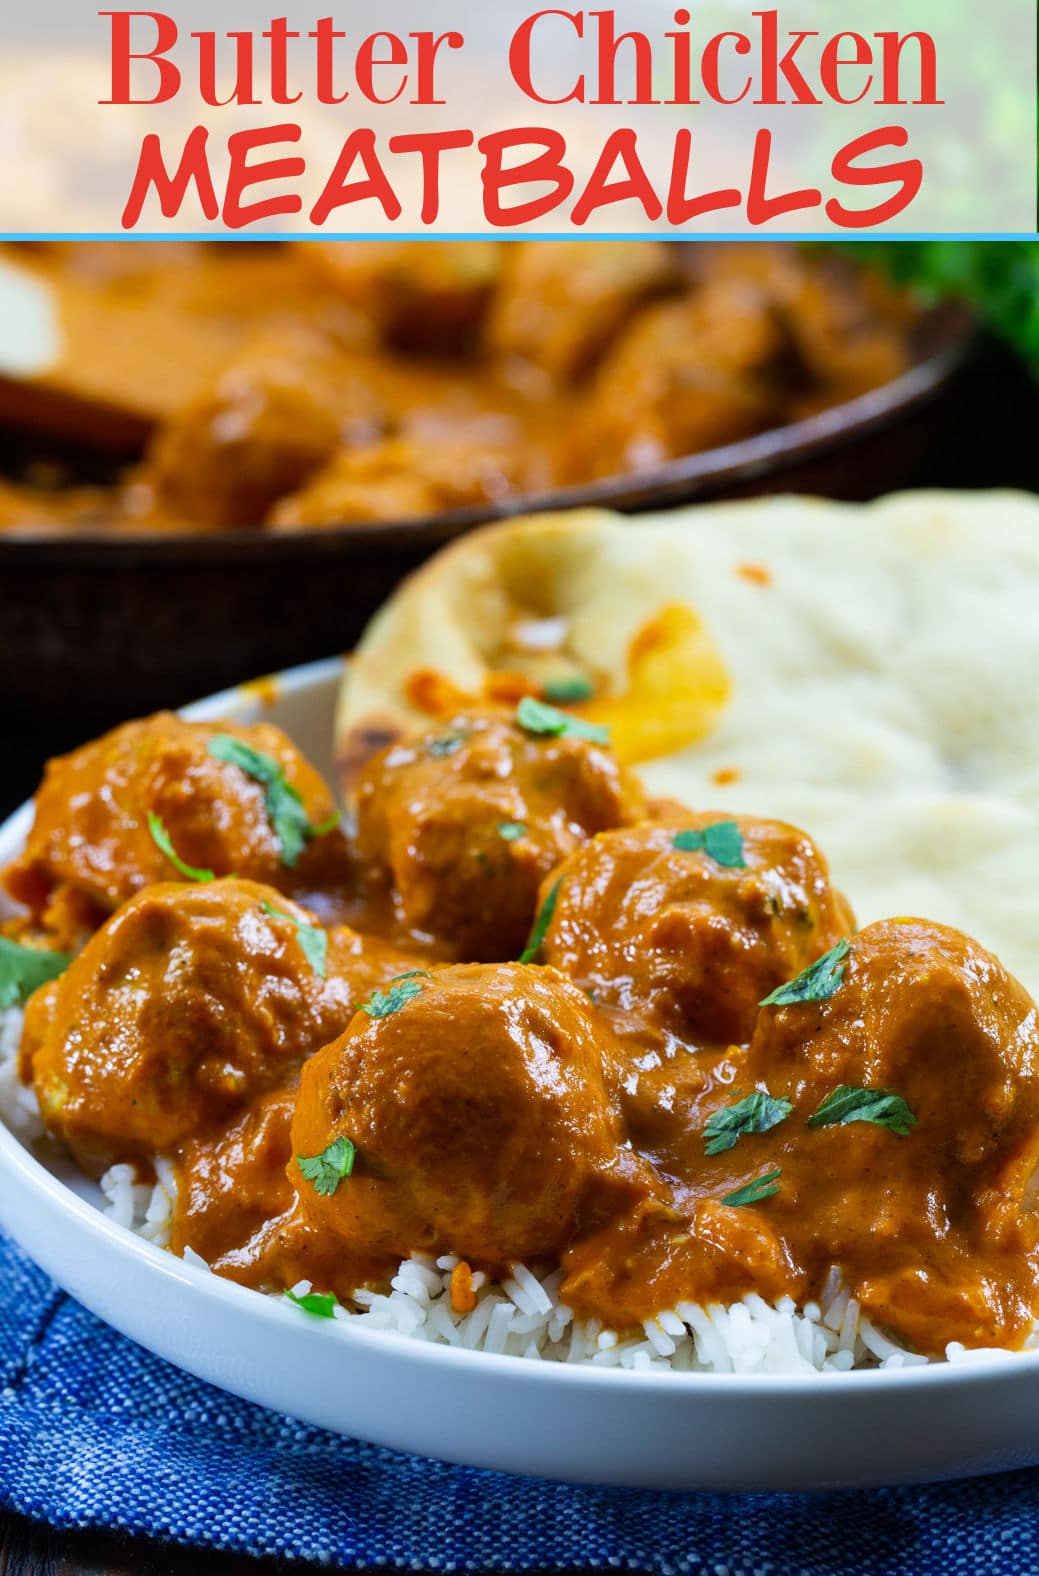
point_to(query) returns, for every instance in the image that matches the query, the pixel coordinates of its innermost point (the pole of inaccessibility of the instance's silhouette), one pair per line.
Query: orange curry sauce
(532, 1003)
(306, 386)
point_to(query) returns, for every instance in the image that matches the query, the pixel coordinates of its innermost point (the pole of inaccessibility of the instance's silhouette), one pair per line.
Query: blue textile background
(95, 1432)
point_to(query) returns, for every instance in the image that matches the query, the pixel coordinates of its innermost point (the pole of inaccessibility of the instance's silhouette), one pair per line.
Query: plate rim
(270, 1308)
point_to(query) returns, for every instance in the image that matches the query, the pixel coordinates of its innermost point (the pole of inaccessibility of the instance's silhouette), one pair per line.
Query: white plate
(658, 1430)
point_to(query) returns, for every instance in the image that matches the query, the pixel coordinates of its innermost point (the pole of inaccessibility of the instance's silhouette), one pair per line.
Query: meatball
(401, 478)
(559, 306)
(467, 821)
(653, 924)
(271, 419)
(189, 1002)
(91, 834)
(687, 375)
(479, 1117)
(427, 299)
(930, 1213)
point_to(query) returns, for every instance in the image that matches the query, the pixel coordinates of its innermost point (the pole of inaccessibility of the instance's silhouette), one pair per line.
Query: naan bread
(870, 673)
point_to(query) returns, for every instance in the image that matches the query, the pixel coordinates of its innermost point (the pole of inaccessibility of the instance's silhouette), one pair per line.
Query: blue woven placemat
(95, 1432)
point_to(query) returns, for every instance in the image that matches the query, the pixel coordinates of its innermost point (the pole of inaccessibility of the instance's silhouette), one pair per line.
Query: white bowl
(648, 1430)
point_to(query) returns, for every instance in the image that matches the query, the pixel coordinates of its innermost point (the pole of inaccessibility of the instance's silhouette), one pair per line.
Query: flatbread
(880, 676)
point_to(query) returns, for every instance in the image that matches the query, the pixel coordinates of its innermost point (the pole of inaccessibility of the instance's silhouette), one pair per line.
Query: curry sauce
(309, 385)
(516, 1013)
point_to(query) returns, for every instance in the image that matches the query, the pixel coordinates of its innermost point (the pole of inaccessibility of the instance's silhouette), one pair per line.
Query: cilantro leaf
(568, 688)
(755, 1192)
(511, 830)
(534, 716)
(446, 744)
(879, 1106)
(818, 982)
(161, 839)
(319, 1303)
(722, 841)
(25, 969)
(328, 1169)
(402, 988)
(313, 939)
(756, 1113)
(541, 924)
(285, 809)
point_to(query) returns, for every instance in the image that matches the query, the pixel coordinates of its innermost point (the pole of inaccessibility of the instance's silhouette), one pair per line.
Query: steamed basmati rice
(523, 1316)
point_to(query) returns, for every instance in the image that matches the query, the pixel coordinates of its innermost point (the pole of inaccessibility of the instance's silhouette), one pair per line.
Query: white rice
(523, 1316)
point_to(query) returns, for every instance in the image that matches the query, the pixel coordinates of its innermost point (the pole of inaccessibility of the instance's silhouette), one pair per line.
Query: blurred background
(216, 460)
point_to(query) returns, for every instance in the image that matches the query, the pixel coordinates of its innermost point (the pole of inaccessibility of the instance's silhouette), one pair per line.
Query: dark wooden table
(991, 443)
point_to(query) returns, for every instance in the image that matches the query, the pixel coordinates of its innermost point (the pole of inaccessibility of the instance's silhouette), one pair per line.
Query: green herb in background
(999, 280)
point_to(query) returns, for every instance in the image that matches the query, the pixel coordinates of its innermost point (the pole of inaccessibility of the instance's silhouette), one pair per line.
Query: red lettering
(241, 175)
(709, 66)
(831, 64)
(519, 56)
(325, 35)
(366, 63)
(683, 62)
(600, 192)
(760, 207)
(910, 172)
(680, 208)
(122, 55)
(171, 190)
(892, 58)
(608, 45)
(772, 64)
(425, 65)
(545, 166)
(242, 92)
(429, 145)
(279, 33)
(337, 191)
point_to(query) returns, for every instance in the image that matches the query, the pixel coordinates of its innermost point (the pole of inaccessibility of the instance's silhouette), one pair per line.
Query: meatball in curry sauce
(512, 1013)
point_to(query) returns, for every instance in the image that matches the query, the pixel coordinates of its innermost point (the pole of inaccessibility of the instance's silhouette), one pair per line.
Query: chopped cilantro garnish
(567, 688)
(446, 744)
(161, 839)
(541, 924)
(755, 1192)
(879, 1106)
(818, 982)
(382, 1004)
(25, 969)
(313, 939)
(722, 841)
(319, 1303)
(328, 1169)
(756, 1113)
(285, 809)
(511, 830)
(535, 717)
